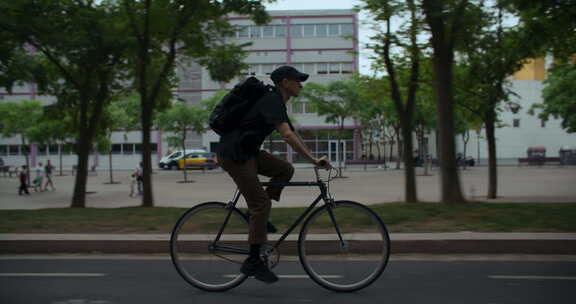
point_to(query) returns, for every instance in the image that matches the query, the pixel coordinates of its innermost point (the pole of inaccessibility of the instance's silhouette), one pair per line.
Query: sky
(364, 29)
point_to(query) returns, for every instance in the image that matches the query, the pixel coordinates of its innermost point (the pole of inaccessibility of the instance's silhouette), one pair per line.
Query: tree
(12, 122)
(81, 52)
(121, 115)
(371, 112)
(336, 101)
(160, 31)
(490, 53)
(446, 19)
(559, 97)
(179, 119)
(54, 127)
(547, 26)
(403, 72)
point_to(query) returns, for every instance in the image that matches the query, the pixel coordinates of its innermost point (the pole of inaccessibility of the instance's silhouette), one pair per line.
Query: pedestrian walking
(139, 177)
(23, 181)
(132, 184)
(39, 177)
(48, 169)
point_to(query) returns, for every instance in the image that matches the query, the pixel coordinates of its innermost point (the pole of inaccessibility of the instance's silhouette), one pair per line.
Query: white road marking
(71, 275)
(532, 277)
(294, 276)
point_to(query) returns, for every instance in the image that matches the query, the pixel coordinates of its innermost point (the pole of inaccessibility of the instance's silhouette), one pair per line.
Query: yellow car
(198, 161)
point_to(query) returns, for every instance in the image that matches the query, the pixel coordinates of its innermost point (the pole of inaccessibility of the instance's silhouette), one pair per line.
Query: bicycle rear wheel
(344, 247)
(208, 245)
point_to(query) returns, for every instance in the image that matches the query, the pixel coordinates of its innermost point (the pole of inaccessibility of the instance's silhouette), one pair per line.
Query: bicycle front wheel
(208, 245)
(344, 247)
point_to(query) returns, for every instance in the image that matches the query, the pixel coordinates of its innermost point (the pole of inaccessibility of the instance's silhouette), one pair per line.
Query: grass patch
(399, 217)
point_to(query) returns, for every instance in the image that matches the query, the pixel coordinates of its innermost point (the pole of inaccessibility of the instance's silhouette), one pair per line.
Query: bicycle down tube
(231, 204)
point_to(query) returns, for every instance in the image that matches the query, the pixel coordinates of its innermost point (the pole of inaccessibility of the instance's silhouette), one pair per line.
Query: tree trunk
(183, 143)
(465, 139)
(147, 198)
(409, 172)
(60, 158)
(450, 179)
(490, 121)
(443, 46)
(399, 148)
(79, 196)
(110, 166)
(340, 149)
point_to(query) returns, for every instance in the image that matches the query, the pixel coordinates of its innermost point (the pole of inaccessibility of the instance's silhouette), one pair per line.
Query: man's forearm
(294, 141)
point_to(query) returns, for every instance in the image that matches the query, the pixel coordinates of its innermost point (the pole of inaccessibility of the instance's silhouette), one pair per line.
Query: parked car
(170, 161)
(196, 160)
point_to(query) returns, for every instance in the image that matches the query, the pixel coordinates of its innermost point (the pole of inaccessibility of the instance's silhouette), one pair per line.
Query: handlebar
(323, 163)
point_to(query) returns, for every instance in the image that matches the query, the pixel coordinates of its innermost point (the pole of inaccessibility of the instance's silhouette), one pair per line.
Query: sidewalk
(526, 184)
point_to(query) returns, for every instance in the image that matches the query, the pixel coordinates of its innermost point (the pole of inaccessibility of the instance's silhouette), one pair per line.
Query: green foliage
(12, 122)
(335, 101)
(548, 26)
(180, 118)
(559, 97)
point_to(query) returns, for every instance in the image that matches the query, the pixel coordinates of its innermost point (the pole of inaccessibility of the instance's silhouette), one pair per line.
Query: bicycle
(210, 241)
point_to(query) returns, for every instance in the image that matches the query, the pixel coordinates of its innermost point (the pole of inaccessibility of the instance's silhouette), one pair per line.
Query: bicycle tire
(192, 254)
(365, 252)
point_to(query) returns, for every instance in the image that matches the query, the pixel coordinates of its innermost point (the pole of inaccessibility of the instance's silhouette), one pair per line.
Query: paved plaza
(523, 184)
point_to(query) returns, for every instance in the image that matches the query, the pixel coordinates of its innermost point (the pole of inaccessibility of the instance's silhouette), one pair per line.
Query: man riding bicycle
(240, 155)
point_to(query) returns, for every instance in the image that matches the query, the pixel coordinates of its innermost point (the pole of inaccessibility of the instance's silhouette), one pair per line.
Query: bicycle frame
(324, 195)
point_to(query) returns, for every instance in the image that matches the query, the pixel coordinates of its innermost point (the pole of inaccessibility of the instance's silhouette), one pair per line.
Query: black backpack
(228, 114)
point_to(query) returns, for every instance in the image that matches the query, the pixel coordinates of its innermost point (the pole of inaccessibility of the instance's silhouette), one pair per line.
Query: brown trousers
(245, 175)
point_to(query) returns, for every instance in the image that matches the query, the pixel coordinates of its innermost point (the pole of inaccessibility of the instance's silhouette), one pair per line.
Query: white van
(170, 161)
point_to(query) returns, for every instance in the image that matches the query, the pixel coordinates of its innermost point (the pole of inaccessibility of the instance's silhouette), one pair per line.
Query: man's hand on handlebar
(323, 163)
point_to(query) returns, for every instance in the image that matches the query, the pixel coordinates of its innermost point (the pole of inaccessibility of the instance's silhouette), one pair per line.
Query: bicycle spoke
(200, 259)
(345, 247)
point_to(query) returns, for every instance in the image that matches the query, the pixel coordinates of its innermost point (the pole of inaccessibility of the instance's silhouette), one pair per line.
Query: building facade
(322, 43)
(518, 129)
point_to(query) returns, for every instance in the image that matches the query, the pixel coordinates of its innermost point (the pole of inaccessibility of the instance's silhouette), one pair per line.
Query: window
(243, 32)
(347, 29)
(308, 30)
(321, 30)
(322, 68)
(297, 107)
(42, 150)
(267, 69)
(253, 69)
(309, 108)
(296, 31)
(53, 149)
(543, 123)
(116, 148)
(280, 30)
(334, 30)
(268, 31)
(129, 149)
(255, 32)
(334, 68)
(347, 68)
(308, 68)
(3, 150)
(516, 123)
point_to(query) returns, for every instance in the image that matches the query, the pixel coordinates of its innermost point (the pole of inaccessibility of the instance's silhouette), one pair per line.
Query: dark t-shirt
(244, 143)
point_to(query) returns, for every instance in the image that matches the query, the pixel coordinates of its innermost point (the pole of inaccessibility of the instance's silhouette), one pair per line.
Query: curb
(401, 243)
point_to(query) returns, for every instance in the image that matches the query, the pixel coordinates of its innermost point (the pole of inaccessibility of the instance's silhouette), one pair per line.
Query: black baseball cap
(287, 71)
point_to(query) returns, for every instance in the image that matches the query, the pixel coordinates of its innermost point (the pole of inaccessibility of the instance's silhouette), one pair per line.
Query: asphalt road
(114, 280)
